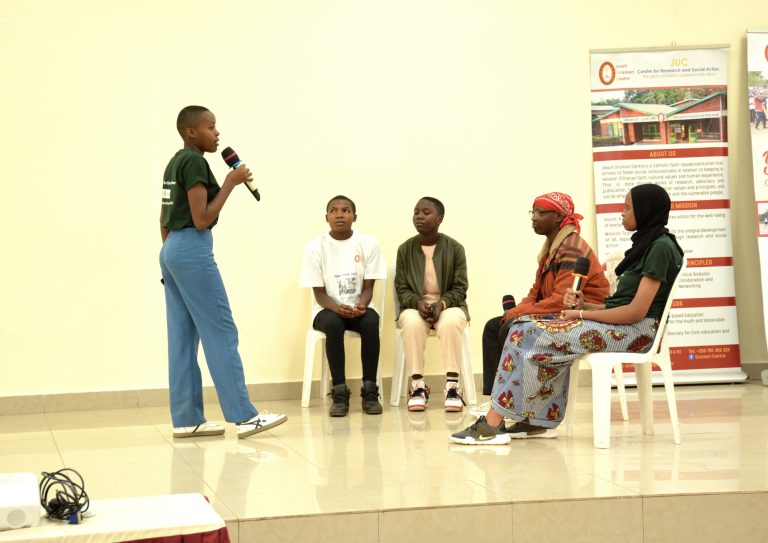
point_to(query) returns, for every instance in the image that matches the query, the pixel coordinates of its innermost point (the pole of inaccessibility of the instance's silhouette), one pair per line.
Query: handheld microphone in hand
(580, 271)
(507, 302)
(233, 161)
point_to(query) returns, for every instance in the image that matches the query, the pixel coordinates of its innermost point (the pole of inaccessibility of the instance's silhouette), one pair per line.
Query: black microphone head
(508, 302)
(230, 157)
(582, 266)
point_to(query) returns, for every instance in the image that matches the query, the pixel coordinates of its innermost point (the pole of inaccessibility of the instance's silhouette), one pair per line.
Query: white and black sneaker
(204, 429)
(419, 396)
(259, 423)
(523, 430)
(482, 433)
(453, 400)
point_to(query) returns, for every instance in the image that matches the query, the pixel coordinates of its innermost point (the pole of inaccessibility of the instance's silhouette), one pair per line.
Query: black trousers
(334, 326)
(494, 335)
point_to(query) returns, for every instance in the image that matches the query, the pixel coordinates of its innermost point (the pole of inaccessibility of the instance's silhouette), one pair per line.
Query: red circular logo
(766, 52)
(607, 73)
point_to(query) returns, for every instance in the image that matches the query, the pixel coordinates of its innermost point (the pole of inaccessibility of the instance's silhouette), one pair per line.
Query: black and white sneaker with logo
(482, 433)
(259, 423)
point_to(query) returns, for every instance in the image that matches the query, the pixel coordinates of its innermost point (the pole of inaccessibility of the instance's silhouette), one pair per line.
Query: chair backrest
(379, 299)
(662, 331)
(396, 306)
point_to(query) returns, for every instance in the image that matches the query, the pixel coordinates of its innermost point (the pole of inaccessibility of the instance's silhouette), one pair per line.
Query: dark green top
(184, 171)
(450, 266)
(661, 261)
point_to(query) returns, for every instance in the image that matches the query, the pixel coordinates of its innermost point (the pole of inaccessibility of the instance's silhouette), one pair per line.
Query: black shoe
(340, 395)
(523, 430)
(370, 394)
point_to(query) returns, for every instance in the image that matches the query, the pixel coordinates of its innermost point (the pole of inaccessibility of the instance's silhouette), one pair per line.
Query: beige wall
(482, 104)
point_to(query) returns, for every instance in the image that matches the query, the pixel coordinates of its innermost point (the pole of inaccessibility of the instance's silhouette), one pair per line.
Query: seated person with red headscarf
(531, 385)
(553, 216)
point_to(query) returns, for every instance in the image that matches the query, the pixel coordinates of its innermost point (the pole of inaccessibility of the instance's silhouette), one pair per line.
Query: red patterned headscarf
(559, 201)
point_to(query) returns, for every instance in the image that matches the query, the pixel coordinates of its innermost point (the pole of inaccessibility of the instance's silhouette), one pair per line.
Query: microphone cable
(62, 495)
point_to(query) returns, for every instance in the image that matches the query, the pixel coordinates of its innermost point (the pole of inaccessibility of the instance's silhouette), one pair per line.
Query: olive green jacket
(450, 265)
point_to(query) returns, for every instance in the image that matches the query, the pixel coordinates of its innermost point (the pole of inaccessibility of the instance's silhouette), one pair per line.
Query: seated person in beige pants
(431, 286)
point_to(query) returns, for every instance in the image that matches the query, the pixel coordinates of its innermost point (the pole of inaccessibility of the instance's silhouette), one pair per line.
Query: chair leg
(618, 373)
(601, 405)
(643, 373)
(570, 406)
(398, 371)
(669, 388)
(466, 371)
(325, 374)
(309, 362)
(379, 381)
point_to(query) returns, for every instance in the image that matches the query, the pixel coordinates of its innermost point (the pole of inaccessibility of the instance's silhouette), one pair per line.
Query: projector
(19, 501)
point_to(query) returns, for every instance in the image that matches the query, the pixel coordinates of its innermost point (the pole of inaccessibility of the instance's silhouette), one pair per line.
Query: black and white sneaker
(204, 429)
(418, 398)
(453, 400)
(259, 423)
(482, 433)
(523, 430)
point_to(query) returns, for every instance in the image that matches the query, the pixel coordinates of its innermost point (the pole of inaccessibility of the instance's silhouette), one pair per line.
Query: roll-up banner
(757, 83)
(661, 116)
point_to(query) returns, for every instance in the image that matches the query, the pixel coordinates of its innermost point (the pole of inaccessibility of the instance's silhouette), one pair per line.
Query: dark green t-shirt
(661, 261)
(184, 171)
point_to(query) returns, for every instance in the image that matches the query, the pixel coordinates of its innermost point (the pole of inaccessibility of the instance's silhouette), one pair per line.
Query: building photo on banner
(661, 116)
(757, 83)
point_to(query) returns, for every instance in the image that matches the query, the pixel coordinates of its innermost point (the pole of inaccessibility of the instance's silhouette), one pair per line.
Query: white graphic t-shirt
(341, 266)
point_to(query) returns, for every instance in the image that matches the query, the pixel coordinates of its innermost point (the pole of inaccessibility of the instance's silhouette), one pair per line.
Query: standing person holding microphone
(197, 307)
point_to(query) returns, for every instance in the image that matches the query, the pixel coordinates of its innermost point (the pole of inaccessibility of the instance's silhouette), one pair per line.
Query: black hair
(341, 197)
(438, 204)
(188, 118)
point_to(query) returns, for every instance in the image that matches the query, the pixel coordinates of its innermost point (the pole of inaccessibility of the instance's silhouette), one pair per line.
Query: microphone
(580, 271)
(507, 302)
(233, 161)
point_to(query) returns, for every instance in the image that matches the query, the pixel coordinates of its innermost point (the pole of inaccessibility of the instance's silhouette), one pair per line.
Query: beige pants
(449, 329)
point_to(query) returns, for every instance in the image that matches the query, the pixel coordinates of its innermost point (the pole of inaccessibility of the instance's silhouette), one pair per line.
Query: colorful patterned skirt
(533, 375)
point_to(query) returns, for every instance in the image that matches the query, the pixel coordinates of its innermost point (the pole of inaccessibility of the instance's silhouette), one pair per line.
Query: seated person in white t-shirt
(341, 267)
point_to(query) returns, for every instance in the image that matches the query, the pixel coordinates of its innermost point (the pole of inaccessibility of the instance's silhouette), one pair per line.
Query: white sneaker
(453, 400)
(418, 399)
(204, 429)
(259, 423)
(480, 409)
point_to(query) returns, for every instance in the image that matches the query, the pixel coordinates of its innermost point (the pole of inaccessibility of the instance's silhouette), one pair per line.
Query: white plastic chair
(609, 266)
(603, 363)
(313, 336)
(400, 376)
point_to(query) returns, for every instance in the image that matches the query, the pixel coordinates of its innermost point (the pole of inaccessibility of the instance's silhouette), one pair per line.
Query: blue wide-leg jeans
(197, 309)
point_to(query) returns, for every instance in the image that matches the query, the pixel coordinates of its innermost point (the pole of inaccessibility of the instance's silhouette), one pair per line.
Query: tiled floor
(386, 478)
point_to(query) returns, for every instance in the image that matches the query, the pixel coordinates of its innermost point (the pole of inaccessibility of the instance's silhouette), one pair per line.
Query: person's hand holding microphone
(573, 297)
(234, 162)
(241, 174)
